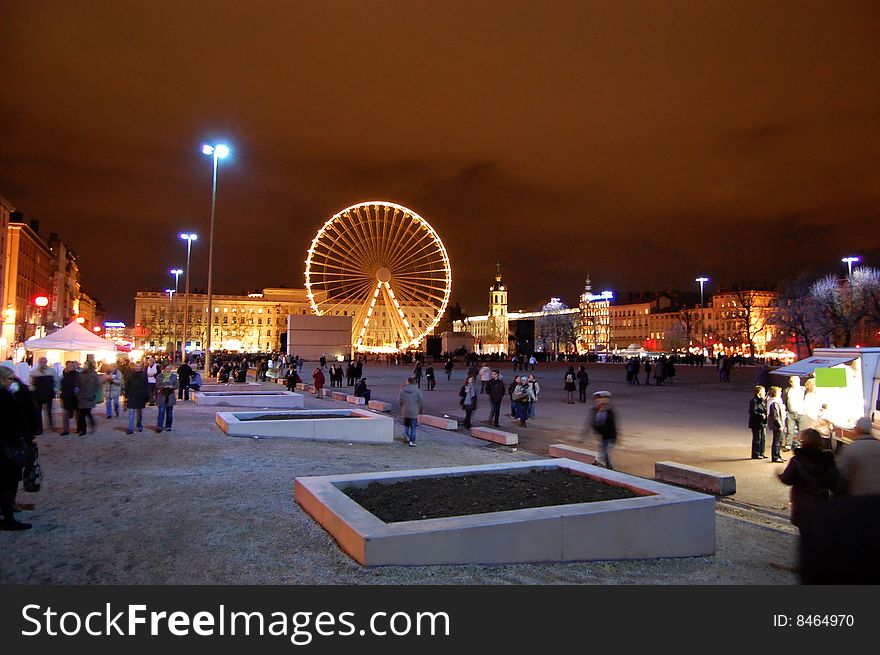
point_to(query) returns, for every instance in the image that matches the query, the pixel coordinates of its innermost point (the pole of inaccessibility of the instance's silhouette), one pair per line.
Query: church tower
(498, 309)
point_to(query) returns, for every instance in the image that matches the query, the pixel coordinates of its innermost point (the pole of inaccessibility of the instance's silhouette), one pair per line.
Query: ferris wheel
(386, 267)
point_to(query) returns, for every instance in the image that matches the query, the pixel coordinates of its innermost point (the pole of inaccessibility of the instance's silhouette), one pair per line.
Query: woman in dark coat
(318, 378)
(583, 382)
(137, 392)
(20, 424)
(570, 385)
(812, 476)
(69, 387)
(87, 398)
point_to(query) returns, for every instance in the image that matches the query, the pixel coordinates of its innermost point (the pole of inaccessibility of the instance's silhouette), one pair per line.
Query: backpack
(569, 378)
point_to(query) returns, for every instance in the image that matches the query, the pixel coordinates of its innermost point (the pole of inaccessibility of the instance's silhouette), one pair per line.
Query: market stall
(72, 342)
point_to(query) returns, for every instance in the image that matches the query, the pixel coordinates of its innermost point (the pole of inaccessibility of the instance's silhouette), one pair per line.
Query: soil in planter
(431, 498)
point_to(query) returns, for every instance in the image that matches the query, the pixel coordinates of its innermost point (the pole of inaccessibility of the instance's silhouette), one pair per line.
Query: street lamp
(849, 261)
(170, 293)
(41, 302)
(218, 152)
(189, 238)
(702, 281)
(176, 272)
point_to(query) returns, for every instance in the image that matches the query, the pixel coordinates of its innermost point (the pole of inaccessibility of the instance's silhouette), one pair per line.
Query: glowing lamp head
(176, 271)
(188, 236)
(701, 280)
(41, 301)
(221, 151)
(207, 150)
(96, 329)
(80, 320)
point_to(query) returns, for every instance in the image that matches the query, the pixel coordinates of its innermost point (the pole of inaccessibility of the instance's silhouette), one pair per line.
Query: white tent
(72, 341)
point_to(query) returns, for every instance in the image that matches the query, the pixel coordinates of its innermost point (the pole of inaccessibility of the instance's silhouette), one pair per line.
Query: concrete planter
(324, 425)
(663, 522)
(266, 399)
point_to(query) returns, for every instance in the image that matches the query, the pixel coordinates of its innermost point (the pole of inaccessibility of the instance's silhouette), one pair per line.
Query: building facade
(27, 275)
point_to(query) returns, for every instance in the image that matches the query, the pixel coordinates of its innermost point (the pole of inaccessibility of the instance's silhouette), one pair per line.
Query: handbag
(32, 478)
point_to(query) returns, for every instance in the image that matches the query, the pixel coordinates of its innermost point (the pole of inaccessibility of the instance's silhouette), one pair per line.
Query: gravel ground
(194, 506)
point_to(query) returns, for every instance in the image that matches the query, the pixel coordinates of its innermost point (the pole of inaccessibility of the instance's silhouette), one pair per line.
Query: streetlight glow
(221, 151)
(849, 261)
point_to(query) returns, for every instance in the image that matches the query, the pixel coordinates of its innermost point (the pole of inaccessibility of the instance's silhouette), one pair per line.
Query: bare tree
(688, 318)
(749, 316)
(794, 313)
(845, 303)
(556, 329)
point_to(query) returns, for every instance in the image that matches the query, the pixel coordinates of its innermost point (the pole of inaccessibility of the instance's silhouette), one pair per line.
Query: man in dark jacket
(496, 390)
(361, 390)
(184, 376)
(758, 423)
(44, 384)
(20, 425)
(604, 424)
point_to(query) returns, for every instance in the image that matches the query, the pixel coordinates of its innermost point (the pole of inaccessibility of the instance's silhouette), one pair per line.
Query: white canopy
(806, 366)
(72, 337)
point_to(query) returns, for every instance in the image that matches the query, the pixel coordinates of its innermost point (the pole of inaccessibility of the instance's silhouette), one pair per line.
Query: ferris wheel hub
(383, 275)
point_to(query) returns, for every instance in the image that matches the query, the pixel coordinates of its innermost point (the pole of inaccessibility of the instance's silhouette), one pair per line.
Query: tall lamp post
(702, 280)
(218, 152)
(189, 238)
(849, 261)
(176, 272)
(170, 293)
(41, 302)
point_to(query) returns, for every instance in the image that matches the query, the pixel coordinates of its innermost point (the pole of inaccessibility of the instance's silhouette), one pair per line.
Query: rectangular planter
(663, 522)
(327, 425)
(283, 399)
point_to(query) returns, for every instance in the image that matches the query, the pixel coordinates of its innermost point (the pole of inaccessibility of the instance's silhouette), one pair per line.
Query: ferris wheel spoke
(350, 270)
(354, 247)
(424, 294)
(397, 315)
(415, 262)
(395, 233)
(344, 246)
(372, 227)
(362, 225)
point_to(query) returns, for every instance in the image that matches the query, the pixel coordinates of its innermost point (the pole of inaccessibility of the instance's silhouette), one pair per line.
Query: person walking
(417, 374)
(184, 377)
(87, 397)
(485, 376)
(604, 423)
(793, 397)
(536, 391)
(358, 370)
(137, 393)
(112, 390)
(776, 422)
(69, 387)
(648, 372)
(18, 430)
(292, 378)
(151, 370)
(522, 397)
(411, 405)
(430, 378)
(510, 390)
(569, 385)
(44, 383)
(319, 380)
(166, 395)
(758, 423)
(448, 366)
(349, 374)
(583, 380)
(812, 476)
(468, 401)
(860, 462)
(532, 362)
(496, 391)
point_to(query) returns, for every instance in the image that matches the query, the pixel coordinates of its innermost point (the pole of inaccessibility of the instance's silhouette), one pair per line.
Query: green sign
(830, 377)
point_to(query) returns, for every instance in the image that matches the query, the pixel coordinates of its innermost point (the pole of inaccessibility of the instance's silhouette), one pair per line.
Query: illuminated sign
(114, 324)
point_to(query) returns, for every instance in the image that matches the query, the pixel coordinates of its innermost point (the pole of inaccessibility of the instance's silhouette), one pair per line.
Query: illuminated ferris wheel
(384, 266)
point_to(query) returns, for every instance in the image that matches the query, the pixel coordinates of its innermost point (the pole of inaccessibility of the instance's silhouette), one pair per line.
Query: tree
(556, 328)
(749, 316)
(689, 319)
(794, 313)
(845, 303)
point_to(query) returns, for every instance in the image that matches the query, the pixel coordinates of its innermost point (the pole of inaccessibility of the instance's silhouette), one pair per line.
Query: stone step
(326, 393)
(495, 435)
(339, 395)
(693, 477)
(355, 400)
(379, 405)
(438, 422)
(573, 452)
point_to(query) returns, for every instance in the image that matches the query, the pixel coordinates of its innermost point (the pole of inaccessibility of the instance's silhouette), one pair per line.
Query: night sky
(642, 142)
